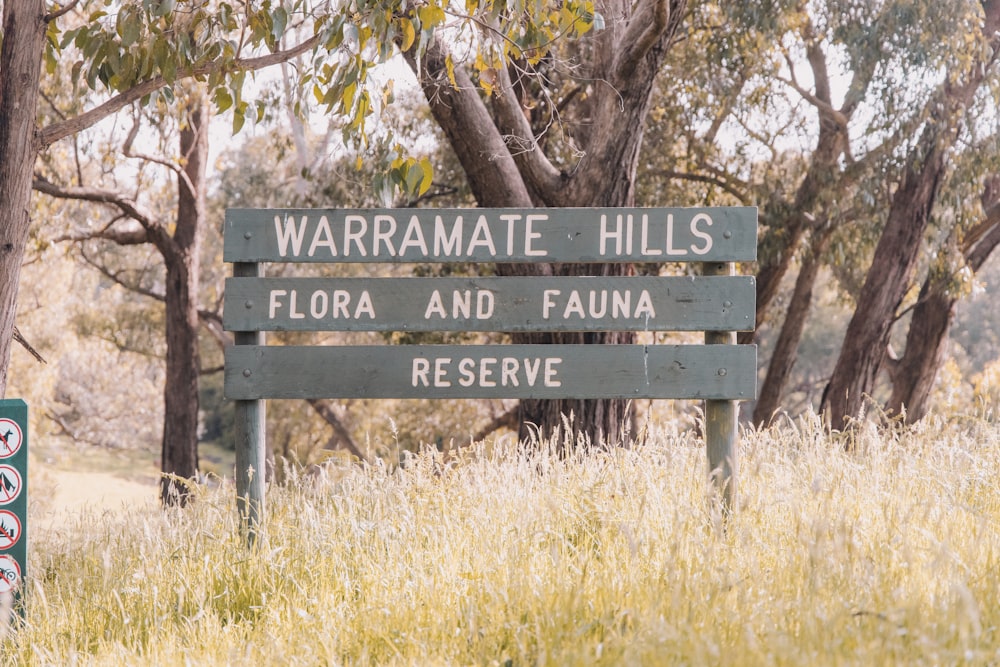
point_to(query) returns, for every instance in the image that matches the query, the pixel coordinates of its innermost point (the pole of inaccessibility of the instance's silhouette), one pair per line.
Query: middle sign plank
(670, 303)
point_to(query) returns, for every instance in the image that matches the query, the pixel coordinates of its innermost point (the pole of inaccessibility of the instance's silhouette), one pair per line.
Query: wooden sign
(490, 304)
(717, 372)
(599, 235)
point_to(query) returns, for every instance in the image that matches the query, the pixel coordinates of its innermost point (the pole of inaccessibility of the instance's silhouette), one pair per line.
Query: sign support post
(722, 417)
(251, 464)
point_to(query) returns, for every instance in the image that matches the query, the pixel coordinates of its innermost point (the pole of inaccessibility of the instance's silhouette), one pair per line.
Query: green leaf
(279, 19)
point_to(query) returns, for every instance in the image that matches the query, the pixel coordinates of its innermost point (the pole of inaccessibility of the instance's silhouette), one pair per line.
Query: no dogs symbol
(10, 484)
(10, 437)
(10, 574)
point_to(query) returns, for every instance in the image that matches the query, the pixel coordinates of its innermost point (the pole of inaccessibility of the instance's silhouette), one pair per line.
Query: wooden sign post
(717, 302)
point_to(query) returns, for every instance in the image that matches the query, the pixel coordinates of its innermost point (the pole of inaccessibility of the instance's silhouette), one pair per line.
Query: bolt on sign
(716, 302)
(13, 495)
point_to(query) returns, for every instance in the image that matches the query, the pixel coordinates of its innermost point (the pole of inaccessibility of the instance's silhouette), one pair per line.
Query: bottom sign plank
(719, 372)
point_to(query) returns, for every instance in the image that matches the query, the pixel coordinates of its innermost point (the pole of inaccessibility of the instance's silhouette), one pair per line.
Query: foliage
(507, 556)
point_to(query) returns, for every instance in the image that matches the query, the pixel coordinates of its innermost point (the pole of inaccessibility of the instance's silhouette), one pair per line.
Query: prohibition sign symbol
(10, 529)
(10, 574)
(10, 484)
(10, 437)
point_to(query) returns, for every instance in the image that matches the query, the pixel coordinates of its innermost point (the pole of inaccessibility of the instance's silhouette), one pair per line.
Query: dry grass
(888, 555)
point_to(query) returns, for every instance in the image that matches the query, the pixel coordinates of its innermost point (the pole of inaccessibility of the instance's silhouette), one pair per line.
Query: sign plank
(582, 235)
(474, 371)
(668, 303)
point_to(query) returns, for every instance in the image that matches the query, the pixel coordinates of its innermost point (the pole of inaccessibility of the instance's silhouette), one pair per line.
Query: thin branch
(645, 28)
(27, 346)
(704, 178)
(506, 420)
(325, 410)
(52, 16)
(56, 131)
(531, 161)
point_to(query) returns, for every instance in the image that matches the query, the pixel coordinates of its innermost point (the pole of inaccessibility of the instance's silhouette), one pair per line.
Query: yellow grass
(888, 555)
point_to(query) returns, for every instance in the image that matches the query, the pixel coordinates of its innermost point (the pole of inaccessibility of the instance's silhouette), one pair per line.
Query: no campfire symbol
(10, 529)
(10, 574)
(10, 484)
(10, 437)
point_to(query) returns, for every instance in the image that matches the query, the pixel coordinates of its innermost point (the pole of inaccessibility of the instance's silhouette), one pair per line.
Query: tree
(866, 344)
(594, 94)
(139, 55)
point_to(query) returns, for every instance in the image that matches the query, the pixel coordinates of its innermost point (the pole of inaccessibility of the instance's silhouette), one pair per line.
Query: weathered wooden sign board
(13, 496)
(716, 302)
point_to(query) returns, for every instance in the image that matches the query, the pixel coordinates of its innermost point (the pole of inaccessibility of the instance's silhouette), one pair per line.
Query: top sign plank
(599, 235)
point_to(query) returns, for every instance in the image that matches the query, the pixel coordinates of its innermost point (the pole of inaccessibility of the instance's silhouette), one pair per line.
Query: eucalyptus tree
(119, 54)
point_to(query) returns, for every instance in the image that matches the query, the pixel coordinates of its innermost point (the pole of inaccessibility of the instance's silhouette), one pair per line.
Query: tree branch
(325, 410)
(52, 16)
(645, 27)
(56, 131)
(543, 177)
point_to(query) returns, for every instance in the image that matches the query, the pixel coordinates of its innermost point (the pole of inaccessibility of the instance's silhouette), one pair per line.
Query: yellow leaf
(449, 65)
(409, 34)
(428, 179)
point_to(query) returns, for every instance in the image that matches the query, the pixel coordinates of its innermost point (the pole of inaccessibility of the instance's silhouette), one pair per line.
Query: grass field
(886, 555)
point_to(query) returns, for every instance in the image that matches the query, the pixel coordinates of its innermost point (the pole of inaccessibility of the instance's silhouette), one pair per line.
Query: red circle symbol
(11, 437)
(10, 484)
(10, 574)
(10, 529)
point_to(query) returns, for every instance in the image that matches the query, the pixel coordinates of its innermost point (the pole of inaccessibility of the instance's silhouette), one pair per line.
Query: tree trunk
(867, 338)
(786, 348)
(927, 338)
(506, 167)
(179, 458)
(20, 71)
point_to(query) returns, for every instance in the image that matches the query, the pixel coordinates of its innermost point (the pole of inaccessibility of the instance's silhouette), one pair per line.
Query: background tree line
(866, 133)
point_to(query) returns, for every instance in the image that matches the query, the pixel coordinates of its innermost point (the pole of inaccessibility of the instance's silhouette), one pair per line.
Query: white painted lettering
(481, 237)
(341, 300)
(461, 304)
(275, 302)
(435, 306)
(574, 305)
(671, 250)
(607, 234)
(530, 235)
(293, 311)
(441, 372)
(445, 245)
(323, 238)
(365, 306)
(467, 372)
(486, 365)
(289, 233)
(598, 310)
(644, 307)
(547, 303)
(485, 302)
(510, 219)
(646, 250)
(704, 236)
(355, 235)
(318, 304)
(414, 237)
(531, 372)
(508, 372)
(421, 367)
(385, 236)
(550, 372)
(621, 303)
